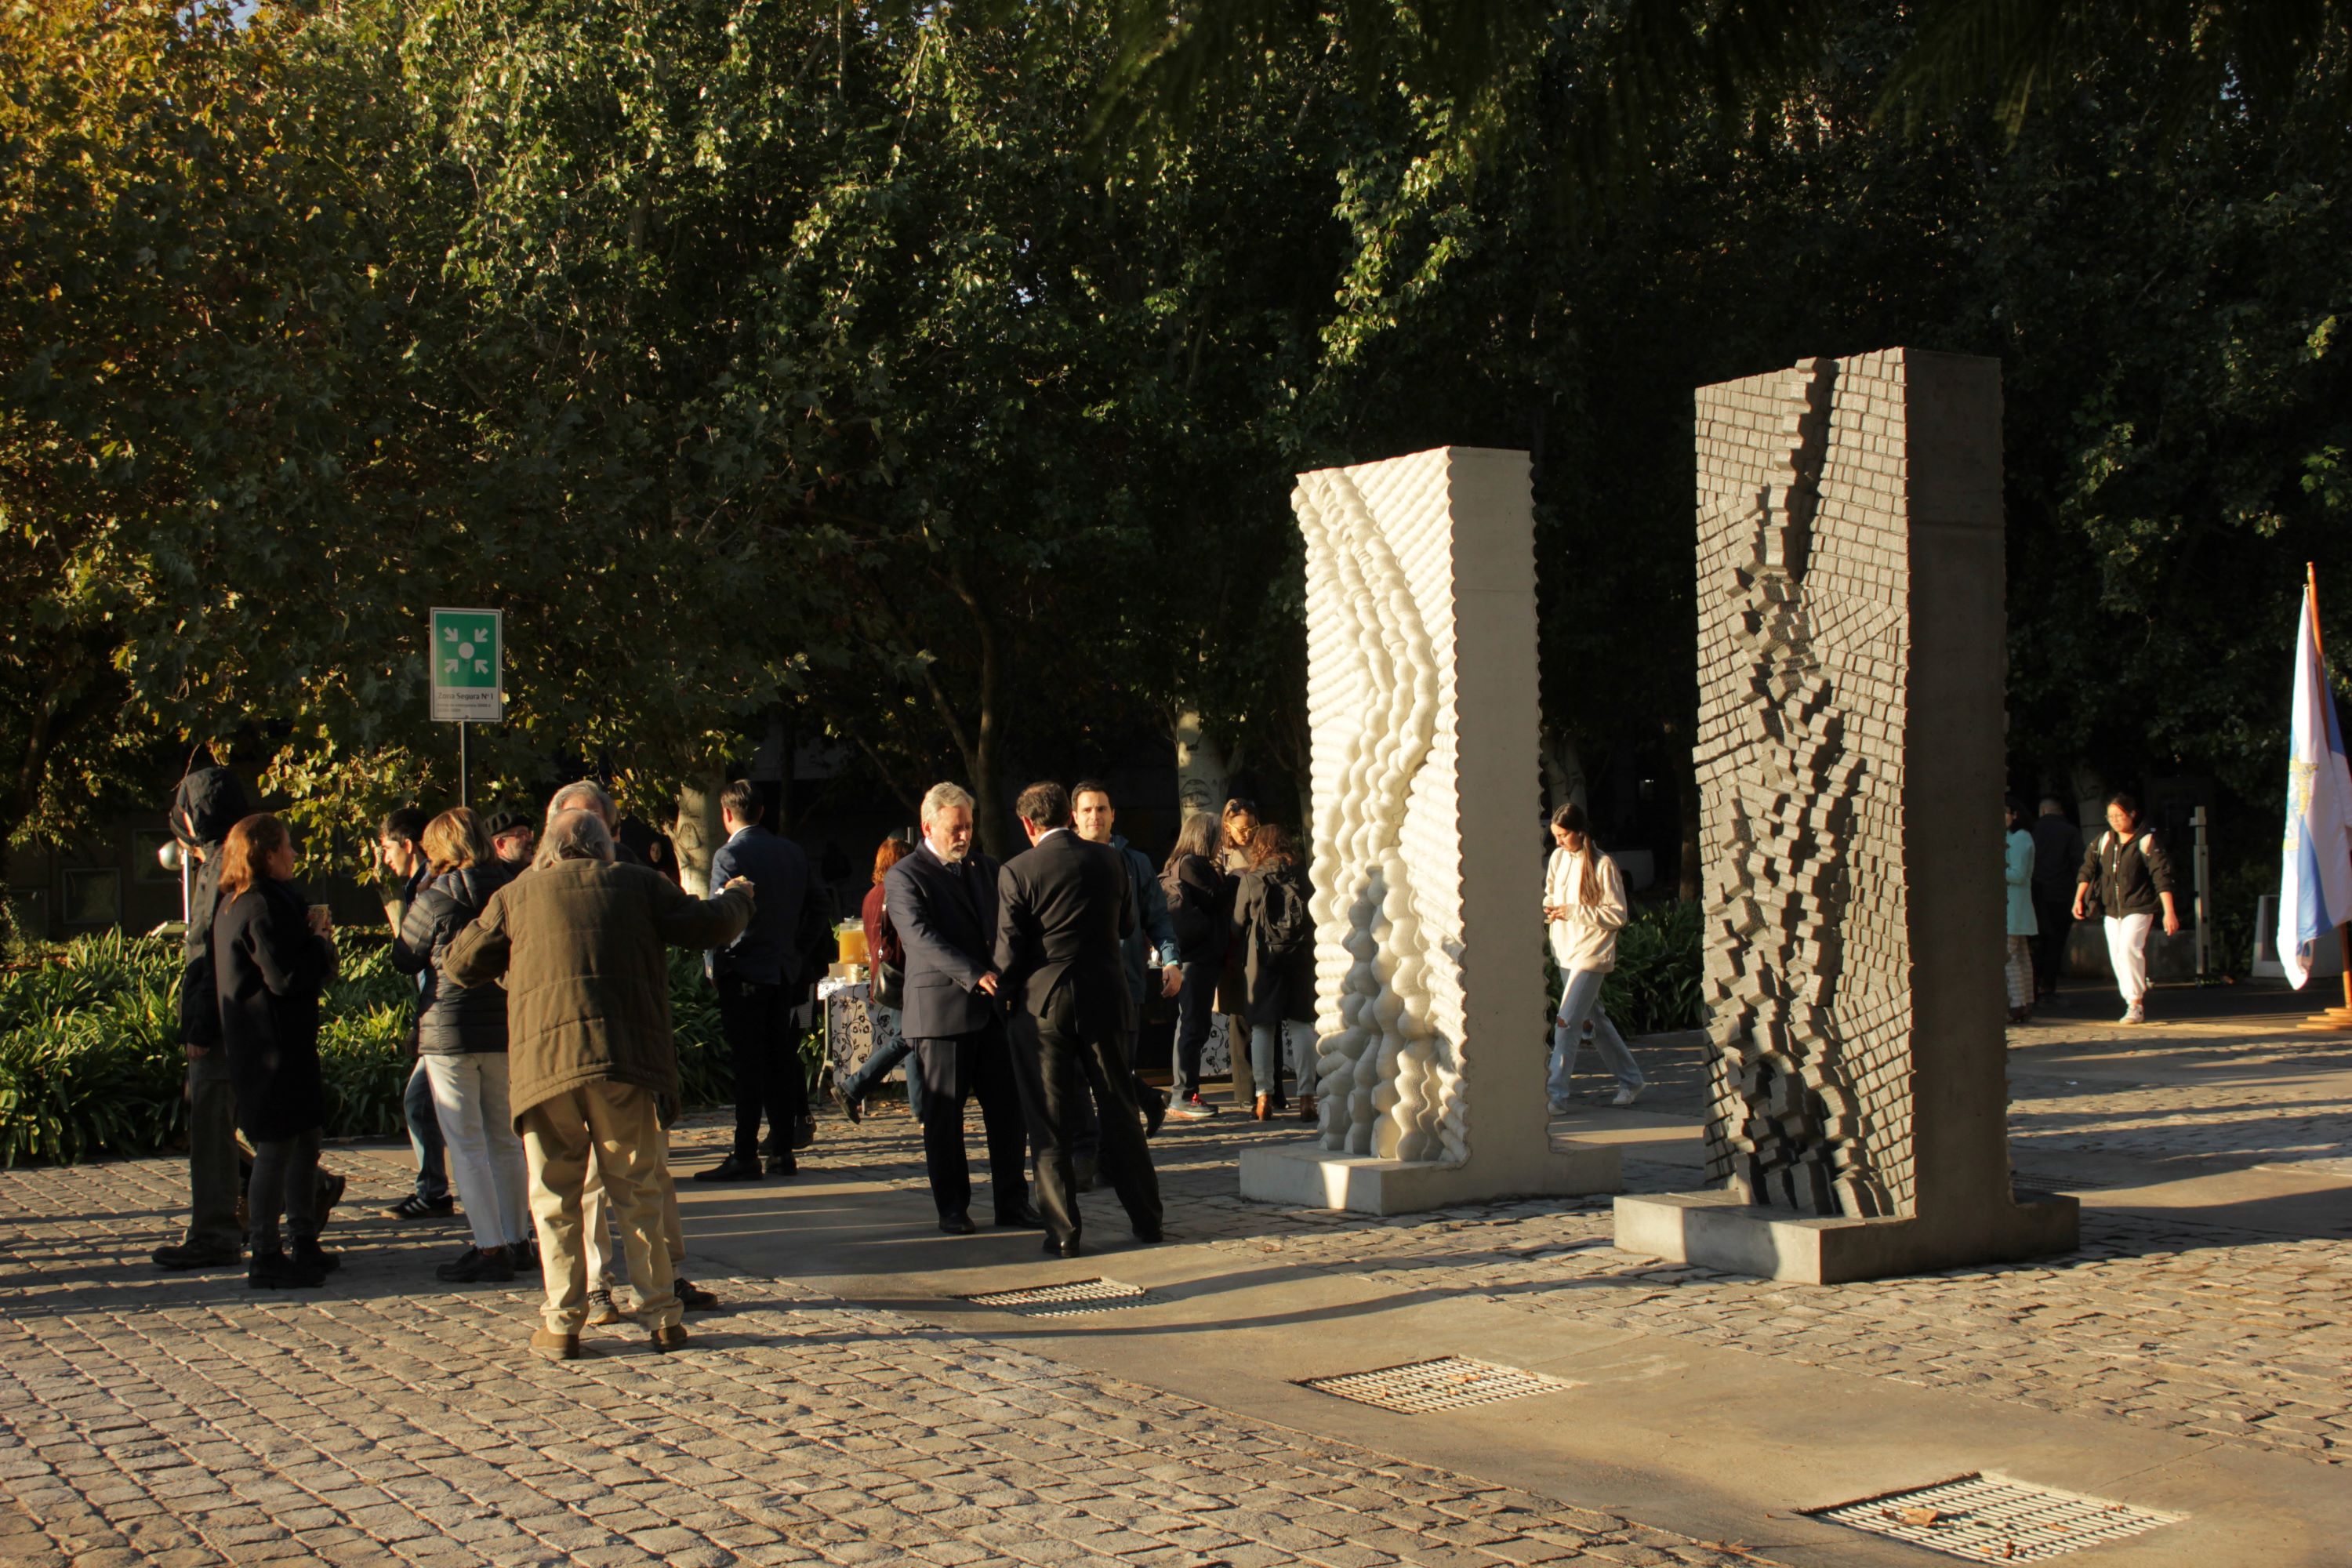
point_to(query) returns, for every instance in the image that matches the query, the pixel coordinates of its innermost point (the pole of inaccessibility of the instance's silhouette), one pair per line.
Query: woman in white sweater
(1584, 909)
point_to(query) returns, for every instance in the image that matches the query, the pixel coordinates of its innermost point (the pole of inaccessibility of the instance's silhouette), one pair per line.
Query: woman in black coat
(1273, 948)
(1198, 894)
(461, 1038)
(270, 961)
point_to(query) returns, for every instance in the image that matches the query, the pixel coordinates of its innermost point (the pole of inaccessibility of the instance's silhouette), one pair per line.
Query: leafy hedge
(91, 1062)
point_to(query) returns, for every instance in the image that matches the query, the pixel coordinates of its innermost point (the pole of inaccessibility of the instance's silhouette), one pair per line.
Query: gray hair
(586, 795)
(942, 797)
(573, 836)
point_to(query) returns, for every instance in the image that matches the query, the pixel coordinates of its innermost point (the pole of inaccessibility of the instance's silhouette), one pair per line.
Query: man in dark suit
(1065, 907)
(942, 900)
(756, 977)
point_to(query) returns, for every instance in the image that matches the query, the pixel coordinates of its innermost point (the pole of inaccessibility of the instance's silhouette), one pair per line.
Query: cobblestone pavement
(145, 1418)
(184, 1421)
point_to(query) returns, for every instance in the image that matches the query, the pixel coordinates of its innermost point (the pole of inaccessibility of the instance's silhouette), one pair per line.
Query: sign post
(467, 664)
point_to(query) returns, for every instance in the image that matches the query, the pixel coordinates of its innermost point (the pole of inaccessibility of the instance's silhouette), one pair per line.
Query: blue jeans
(876, 1067)
(1196, 1011)
(425, 1137)
(1578, 1001)
(1265, 1060)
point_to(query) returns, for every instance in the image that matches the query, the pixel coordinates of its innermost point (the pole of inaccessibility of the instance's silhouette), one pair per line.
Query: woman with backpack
(1272, 939)
(461, 1039)
(1199, 903)
(271, 958)
(2127, 877)
(1584, 909)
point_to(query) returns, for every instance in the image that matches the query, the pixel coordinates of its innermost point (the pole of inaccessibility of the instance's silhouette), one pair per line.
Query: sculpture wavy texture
(1388, 1080)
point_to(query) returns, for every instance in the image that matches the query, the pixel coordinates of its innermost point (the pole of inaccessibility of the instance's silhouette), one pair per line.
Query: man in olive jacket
(591, 1062)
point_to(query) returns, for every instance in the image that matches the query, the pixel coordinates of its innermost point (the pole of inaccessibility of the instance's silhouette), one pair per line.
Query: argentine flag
(2316, 862)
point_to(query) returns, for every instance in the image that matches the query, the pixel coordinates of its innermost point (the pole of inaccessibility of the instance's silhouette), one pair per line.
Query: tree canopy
(776, 358)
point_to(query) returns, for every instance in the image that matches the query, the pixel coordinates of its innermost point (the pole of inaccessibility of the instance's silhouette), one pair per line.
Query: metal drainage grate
(1992, 1518)
(1449, 1383)
(1064, 1301)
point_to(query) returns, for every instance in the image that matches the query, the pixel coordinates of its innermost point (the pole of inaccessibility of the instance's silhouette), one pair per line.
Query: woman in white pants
(1584, 909)
(2129, 876)
(461, 1039)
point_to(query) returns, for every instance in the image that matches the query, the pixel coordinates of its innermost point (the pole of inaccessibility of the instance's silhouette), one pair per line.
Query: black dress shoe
(849, 1102)
(1024, 1217)
(197, 1255)
(734, 1168)
(474, 1266)
(1155, 1111)
(310, 1255)
(783, 1165)
(957, 1224)
(1070, 1249)
(1149, 1234)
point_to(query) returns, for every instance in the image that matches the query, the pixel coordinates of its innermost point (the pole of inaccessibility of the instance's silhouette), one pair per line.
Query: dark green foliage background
(90, 1063)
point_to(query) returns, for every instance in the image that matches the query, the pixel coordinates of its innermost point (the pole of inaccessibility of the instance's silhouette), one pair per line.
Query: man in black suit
(1065, 907)
(756, 977)
(942, 900)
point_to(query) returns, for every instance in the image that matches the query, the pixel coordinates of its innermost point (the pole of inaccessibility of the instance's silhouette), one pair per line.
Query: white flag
(2315, 860)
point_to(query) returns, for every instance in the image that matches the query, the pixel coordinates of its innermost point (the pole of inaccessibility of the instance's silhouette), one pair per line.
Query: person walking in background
(943, 903)
(1584, 909)
(2128, 878)
(2018, 870)
(593, 1065)
(1200, 905)
(2057, 850)
(461, 1040)
(885, 993)
(1064, 906)
(1275, 936)
(400, 856)
(209, 802)
(271, 959)
(1234, 828)
(1149, 951)
(754, 975)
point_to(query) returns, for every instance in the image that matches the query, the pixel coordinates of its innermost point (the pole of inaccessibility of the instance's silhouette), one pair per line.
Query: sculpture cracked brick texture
(1849, 758)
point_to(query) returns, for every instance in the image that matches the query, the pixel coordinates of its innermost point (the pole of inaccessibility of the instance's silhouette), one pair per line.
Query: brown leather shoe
(670, 1337)
(549, 1345)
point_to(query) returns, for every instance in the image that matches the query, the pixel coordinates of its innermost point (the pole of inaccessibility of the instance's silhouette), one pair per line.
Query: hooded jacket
(209, 802)
(451, 1020)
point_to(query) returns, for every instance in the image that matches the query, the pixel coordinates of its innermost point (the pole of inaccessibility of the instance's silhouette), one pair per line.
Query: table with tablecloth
(854, 1027)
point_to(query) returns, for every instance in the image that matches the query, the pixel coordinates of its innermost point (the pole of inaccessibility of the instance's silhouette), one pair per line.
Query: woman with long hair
(1199, 904)
(886, 975)
(271, 958)
(1236, 825)
(1274, 935)
(1584, 909)
(461, 1038)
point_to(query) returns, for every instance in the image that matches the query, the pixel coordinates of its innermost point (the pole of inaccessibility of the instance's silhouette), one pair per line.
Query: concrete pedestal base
(1311, 1176)
(1715, 1230)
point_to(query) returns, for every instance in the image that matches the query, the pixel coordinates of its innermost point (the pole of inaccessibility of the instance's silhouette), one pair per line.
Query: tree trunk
(697, 832)
(1201, 774)
(1564, 771)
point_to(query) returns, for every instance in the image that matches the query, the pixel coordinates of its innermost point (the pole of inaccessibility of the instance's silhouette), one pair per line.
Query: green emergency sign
(468, 666)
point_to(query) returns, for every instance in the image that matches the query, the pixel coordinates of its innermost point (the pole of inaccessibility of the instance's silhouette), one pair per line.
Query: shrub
(91, 1062)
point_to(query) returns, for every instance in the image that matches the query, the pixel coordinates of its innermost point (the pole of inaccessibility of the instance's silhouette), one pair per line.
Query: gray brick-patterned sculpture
(1849, 757)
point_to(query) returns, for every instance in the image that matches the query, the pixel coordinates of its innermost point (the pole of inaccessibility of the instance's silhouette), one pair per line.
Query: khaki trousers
(616, 1128)
(596, 1229)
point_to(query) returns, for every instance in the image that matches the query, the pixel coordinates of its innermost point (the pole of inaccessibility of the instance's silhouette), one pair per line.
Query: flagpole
(2335, 1019)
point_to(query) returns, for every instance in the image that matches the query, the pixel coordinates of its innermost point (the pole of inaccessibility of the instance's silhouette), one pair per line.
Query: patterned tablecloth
(854, 1028)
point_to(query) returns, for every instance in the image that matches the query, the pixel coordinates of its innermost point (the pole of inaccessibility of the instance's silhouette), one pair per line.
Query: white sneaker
(1559, 1107)
(1628, 1096)
(2134, 1014)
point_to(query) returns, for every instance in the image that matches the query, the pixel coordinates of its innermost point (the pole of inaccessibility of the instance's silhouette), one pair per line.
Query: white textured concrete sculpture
(1428, 857)
(1849, 768)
